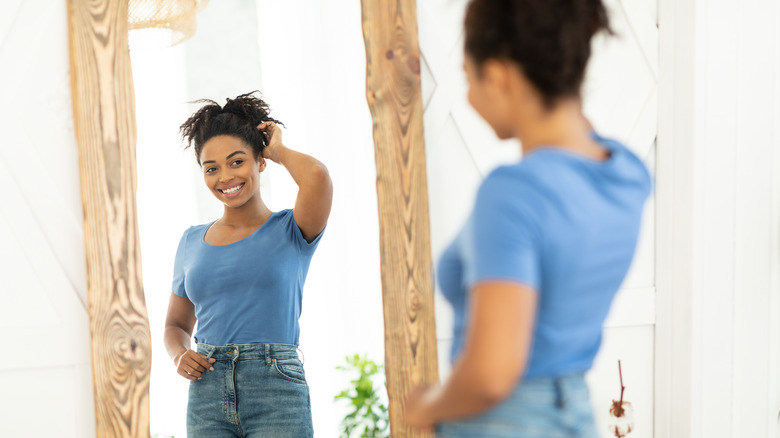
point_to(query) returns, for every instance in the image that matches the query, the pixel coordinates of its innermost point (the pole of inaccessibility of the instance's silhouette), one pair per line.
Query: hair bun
(239, 117)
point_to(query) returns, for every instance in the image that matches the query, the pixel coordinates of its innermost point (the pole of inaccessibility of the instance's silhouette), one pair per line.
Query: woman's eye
(237, 162)
(211, 170)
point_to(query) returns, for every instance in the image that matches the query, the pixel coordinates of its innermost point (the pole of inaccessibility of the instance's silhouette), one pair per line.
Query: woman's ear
(261, 162)
(496, 75)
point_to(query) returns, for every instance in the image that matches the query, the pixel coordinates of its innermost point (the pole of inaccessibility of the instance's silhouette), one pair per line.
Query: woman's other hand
(191, 365)
(273, 138)
(417, 407)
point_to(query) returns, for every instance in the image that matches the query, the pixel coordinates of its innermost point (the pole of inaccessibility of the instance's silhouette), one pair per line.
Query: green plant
(369, 415)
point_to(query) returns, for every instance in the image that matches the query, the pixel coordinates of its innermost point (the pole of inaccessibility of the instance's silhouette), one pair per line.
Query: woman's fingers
(270, 130)
(203, 363)
(198, 362)
(186, 375)
(192, 365)
(193, 372)
(189, 372)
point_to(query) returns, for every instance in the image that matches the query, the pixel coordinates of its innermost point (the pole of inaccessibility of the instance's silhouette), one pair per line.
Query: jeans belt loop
(559, 395)
(267, 354)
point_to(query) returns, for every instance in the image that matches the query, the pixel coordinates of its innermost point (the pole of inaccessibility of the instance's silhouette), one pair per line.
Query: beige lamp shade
(162, 23)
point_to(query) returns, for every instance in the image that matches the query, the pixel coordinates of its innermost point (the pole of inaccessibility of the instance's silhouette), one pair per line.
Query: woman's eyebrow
(227, 158)
(234, 153)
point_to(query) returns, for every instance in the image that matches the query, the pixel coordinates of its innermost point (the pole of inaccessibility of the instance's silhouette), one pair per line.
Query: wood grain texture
(104, 117)
(394, 96)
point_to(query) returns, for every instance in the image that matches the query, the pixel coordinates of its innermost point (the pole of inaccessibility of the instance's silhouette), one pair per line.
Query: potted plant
(368, 417)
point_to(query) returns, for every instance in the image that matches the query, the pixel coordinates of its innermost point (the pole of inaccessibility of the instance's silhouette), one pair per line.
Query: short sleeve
(178, 267)
(297, 235)
(504, 235)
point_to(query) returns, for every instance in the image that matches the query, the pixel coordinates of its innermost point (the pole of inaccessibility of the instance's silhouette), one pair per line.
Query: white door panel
(45, 371)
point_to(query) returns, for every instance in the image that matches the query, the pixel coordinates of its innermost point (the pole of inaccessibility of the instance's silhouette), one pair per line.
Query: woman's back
(564, 225)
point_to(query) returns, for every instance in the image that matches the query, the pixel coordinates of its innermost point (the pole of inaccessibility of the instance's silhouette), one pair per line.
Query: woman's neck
(564, 127)
(251, 214)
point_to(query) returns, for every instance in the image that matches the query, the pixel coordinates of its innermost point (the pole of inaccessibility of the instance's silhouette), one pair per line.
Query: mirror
(308, 60)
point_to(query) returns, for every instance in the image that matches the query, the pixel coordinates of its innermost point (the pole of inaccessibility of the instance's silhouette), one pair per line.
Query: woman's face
(487, 95)
(500, 92)
(230, 169)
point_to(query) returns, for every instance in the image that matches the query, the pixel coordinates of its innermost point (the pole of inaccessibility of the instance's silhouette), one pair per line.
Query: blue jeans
(255, 390)
(538, 408)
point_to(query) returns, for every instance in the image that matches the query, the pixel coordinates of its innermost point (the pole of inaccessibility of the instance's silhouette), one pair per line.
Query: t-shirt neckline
(208, 227)
(605, 143)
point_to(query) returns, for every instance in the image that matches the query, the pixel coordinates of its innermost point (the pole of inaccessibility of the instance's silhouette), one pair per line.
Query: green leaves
(369, 417)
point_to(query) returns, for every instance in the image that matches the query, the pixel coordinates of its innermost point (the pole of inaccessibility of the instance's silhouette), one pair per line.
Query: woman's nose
(225, 177)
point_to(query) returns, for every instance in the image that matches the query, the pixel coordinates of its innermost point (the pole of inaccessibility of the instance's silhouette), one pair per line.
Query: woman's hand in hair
(191, 364)
(315, 188)
(273, 138)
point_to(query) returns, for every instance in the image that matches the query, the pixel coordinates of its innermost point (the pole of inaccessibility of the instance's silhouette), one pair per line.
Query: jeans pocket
(289, 369)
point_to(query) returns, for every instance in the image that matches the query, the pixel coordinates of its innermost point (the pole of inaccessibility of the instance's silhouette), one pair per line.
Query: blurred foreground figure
(533, 272)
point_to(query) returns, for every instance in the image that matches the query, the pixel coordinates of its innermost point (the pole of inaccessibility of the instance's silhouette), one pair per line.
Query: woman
(241, 278)
(533, 272)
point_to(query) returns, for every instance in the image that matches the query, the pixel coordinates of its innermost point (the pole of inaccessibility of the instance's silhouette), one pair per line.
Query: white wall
(45, 370)
(719, 217)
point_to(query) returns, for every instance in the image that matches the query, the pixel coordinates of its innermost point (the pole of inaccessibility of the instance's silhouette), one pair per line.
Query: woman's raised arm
(315, 189)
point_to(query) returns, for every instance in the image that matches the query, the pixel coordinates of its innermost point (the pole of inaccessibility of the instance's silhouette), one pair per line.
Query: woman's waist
(249, 351)
(553, 389)
(241, 327)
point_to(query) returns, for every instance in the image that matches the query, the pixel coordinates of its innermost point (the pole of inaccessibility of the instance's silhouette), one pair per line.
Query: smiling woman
(251, 259)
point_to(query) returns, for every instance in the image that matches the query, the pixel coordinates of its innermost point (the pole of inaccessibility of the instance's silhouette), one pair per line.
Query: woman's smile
(232, 190)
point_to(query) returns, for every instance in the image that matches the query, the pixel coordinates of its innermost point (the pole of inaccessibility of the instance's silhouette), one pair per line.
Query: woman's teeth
(232, 189)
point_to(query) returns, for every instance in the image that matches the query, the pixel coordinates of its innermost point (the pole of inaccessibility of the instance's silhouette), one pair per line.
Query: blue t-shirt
(564, 225)
(249, 291)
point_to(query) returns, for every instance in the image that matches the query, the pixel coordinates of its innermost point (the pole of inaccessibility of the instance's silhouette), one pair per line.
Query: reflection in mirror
(308, 61)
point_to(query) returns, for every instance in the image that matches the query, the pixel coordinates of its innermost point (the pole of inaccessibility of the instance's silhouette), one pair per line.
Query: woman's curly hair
(548, 39)
(239, 118)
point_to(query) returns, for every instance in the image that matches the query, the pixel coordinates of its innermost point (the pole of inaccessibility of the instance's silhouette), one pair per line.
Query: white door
(621, 101)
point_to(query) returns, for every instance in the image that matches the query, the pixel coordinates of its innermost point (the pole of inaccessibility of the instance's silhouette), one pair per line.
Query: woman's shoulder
(514, 187)
(512, 178)
(193, 231)
(279, 222)
(281, 217)
(283, 214)
(627, 167)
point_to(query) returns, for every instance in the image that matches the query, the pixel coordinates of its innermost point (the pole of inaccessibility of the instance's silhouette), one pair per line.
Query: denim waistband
(234, 352)
(554, 389)
(576, 380)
